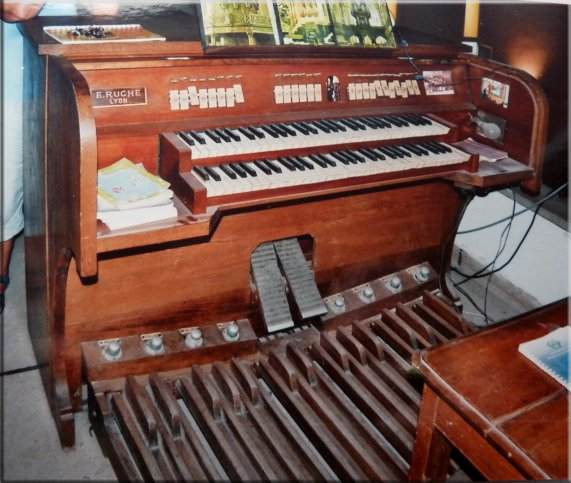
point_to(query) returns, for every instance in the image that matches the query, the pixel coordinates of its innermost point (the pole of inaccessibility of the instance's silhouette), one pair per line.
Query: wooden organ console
(267, 331)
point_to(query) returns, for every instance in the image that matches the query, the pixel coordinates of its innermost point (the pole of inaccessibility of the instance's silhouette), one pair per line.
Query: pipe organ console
(265, 332)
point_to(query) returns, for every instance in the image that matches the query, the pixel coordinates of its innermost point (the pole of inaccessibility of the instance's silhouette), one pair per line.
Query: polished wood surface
(87, 282)
(508, 417)
(286, 411)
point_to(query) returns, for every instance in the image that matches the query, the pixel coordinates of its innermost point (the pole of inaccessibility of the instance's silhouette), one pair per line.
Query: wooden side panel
(72, 173)
(527, 114)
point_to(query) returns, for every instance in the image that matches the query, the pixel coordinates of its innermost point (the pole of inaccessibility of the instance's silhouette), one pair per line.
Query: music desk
(483, 397)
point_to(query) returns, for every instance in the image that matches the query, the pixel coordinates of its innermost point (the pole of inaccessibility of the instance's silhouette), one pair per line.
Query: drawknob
(395, 283)
(112, 351)
(340, 302)
(231, 332)
(194, 338)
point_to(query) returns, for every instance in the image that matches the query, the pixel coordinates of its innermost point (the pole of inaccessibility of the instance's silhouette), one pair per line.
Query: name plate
(117, 97)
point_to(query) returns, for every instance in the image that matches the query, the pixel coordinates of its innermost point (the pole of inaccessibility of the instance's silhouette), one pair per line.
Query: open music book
(551, 353)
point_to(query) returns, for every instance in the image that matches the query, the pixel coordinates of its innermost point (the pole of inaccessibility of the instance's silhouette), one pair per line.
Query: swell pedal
(300, 279)
(271, 289)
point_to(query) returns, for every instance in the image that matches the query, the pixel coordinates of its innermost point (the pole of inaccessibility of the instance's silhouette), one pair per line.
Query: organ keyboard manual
(266, 330)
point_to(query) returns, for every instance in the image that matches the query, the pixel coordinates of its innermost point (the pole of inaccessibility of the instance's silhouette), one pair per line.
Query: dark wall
(445, 20)
(534, 38)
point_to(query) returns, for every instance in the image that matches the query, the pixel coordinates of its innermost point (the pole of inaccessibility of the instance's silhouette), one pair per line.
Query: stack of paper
(128, 195)
(551, 353)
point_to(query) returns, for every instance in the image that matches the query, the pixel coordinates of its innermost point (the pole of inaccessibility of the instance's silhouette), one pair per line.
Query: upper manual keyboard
(218, 142)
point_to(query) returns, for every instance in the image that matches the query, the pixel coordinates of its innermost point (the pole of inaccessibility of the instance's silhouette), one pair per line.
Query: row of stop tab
(357, 91)
(206, 98)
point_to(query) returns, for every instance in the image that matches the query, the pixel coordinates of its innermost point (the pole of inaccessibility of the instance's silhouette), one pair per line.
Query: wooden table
(508, 417)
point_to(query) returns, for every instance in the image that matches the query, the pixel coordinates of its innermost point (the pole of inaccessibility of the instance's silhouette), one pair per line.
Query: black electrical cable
(520, 212)
(472, 301)
(479, 274)
(20, 370)
(504, 236)
(420, 75)
(451, 235)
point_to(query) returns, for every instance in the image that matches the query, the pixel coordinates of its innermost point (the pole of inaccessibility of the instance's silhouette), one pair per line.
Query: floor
(30, 448)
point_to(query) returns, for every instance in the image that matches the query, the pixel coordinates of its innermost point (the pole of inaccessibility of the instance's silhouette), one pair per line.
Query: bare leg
(5, 254)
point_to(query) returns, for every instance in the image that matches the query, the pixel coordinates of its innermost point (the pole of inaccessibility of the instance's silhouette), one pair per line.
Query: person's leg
(5, 254)
(11, 165)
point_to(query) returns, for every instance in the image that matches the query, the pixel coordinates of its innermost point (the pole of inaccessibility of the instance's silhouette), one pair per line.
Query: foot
(4, 281)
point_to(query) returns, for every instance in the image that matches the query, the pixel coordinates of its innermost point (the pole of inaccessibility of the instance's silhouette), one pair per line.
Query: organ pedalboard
(266, 332)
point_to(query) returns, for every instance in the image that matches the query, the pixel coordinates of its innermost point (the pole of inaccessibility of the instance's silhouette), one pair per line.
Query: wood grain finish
(87, 283)
(502, 412)
(308, 406)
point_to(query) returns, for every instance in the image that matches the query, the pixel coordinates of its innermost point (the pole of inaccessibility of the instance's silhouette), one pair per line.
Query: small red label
(117, 97)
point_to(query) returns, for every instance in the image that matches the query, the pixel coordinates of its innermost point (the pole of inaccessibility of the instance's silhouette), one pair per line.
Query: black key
(317, 161)
(309, 127)
(286, 164)
(296, 163)
(259, 134)
(212, 136)
(230, 133)
(187, 138)
(281, 131)
(263, 167)
(239, 171)
(273, 166)
(411, 119)
(228, 171)
(425, 121)
(393, 121)
(355, 156)
(248, 169)
(303, 161)
(270, 131)
(379, 154)
(222, 135)
(339, 157)
(394, 151)
(320, 126)
(385, 151)
(368, 154)
(404, 152)
(446, 149)
(327, 160)
(338, 125)
(197, 137)
(251, 136)
(348, 123)
(413, 149)
(403, 121)
(288, 130)
(332, 126)
(383, 123)
(368, 123)
(359, 124)
(375, 122)
(300, 128)
(202, 173)
(427, 148)
(212, 172)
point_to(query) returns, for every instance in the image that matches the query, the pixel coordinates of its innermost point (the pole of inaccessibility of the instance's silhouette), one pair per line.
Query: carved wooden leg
(431, 454)
(60, 396)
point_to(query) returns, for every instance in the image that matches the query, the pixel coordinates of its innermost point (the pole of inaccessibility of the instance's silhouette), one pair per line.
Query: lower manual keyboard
(266, 174)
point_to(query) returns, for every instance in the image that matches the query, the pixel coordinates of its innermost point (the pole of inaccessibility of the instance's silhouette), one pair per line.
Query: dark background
(532, 37)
